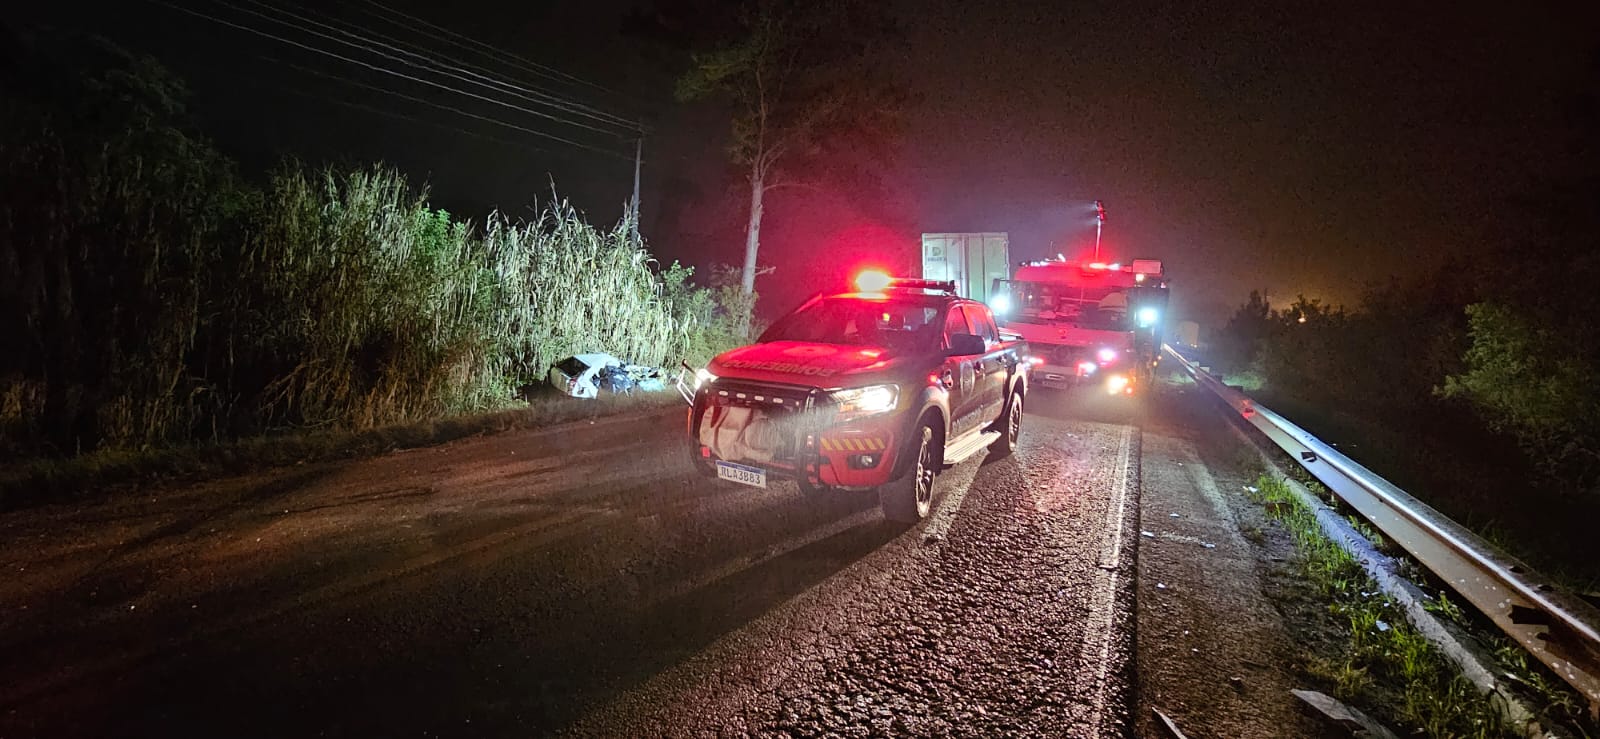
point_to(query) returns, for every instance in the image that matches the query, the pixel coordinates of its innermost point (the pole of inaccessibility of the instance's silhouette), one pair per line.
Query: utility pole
(638, 159)
(1099, 223)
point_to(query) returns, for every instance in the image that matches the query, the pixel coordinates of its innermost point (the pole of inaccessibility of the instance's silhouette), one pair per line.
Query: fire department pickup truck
(873, 390)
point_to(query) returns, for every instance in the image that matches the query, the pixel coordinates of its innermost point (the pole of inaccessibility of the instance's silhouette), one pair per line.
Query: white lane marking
(1103, 605)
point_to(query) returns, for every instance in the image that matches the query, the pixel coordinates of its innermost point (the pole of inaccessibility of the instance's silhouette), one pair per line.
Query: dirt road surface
(585, 580)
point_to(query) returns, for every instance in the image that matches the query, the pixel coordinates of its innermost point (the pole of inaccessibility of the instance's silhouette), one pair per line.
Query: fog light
(1118, 383)
(864, 461)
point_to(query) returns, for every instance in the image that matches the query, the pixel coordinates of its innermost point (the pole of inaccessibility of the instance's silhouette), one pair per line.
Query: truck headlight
(703, 378)
(871, 400)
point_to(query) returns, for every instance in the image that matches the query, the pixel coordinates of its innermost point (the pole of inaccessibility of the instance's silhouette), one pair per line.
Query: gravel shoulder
(1214, 652)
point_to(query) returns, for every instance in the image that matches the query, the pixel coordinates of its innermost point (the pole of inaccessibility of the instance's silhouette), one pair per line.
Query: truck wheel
(1010, 426)
(910, 498)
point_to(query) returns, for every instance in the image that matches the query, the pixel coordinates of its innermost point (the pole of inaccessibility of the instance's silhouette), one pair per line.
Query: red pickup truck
(872, 390)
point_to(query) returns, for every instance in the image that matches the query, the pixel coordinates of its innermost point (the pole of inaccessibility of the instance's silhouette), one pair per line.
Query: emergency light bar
(873, 281)
(1142, 268)
(947, 286)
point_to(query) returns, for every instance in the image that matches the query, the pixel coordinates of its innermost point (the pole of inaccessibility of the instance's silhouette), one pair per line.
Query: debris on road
(1358, 723)
(1166, 722)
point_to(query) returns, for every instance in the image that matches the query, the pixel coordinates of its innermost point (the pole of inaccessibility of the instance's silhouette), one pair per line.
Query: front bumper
(1055, 375)
(791, 432)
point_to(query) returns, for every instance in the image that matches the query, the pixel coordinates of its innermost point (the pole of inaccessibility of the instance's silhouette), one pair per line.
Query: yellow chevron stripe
(854, 445)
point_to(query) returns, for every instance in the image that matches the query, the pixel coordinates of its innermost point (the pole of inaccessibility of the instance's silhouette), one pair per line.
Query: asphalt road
(583, 580)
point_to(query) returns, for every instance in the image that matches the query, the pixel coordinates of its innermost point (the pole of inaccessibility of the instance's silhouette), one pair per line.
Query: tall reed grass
(342, 299)
(150, 296)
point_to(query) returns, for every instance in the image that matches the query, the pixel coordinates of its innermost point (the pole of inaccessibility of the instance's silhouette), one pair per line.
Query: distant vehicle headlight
(1148, 317)
(703, 378)
(871, 400)
(1117, 384)
(1000, 304)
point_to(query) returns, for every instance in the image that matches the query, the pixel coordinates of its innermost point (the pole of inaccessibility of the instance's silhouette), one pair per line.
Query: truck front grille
(759, 395)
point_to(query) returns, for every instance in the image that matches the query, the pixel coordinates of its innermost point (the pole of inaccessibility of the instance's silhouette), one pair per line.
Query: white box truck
(973, 260)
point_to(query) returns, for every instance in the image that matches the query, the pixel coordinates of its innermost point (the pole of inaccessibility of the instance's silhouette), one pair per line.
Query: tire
(910, 498)
(1010, 428)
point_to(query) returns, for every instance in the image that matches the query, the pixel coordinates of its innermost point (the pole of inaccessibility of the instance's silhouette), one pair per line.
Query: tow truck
(1088, 322)
(873, 390)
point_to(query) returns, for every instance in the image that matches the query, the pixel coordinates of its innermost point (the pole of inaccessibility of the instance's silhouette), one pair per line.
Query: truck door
(959, 375)
(993, 368)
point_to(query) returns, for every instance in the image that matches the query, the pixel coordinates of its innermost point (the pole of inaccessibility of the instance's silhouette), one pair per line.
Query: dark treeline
(150, 295)
(1479, 383)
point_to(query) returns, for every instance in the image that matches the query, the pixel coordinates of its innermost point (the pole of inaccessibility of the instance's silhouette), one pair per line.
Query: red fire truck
(875, 390)
(1088, 322)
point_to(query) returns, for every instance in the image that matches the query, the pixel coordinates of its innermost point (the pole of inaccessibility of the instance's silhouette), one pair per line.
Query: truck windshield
(900, 326)
(1099, 308)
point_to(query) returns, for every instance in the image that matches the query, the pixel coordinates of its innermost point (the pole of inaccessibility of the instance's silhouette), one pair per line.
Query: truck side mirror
(962, 345)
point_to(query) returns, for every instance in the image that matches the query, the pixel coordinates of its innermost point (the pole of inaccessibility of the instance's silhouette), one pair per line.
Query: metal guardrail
(1559, 628)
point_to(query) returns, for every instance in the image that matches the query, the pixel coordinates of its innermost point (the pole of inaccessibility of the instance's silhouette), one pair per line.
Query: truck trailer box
(973, 260)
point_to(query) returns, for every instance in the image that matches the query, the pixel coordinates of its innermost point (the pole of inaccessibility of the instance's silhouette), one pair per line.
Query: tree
(798, 77)
(1236, 345)
(109, 210)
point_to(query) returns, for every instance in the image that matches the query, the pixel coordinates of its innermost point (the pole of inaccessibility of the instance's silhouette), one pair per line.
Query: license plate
(753, 476)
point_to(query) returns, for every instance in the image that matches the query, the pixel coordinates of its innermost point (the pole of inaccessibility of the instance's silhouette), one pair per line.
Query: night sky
(1298, 147)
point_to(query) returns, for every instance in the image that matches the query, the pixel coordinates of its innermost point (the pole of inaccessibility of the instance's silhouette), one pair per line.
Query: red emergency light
(872, 281)
(875, 281)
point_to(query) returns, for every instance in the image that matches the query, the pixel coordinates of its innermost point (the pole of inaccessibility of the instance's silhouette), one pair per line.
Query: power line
(490, 51)
(392, 57)
(494, 54)
(442, 61)
(411, 118)
(441, 106)
(376, 68)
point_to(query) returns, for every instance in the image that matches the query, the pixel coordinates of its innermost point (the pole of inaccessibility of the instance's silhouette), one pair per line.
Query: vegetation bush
(1486, 411)
(151, 296)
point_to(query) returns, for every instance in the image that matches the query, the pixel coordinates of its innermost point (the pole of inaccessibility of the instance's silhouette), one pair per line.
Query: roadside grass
(1554, 700)
(1383, 663)
(1542, 528)
(104, 473)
